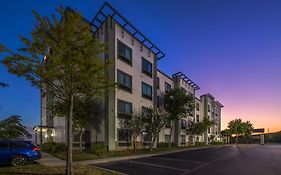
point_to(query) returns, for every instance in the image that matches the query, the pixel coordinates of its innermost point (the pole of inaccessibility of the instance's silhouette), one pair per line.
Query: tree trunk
(153, 141)
(80, 139)
(69, 167)
(171, 131)
(236, 141)
(134, 143)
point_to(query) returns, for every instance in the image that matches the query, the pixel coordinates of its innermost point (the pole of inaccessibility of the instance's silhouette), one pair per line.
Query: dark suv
(18, 153)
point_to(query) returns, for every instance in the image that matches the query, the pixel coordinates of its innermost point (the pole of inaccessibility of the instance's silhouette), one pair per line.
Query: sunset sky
(230, 48)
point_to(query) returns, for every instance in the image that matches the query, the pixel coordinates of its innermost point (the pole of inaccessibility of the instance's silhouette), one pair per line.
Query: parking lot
(242, 159)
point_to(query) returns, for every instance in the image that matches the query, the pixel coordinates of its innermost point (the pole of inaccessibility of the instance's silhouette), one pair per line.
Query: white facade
(140, 89)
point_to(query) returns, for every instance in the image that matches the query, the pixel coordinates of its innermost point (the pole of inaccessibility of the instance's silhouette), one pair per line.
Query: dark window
(146, 67)
(209, 108)
(158, 82)
(144, 110)
(124, 135)
(183, 123)
(17, 145)
(167, 138)
(183, 90)
(197, 106)
(3, 145)
(124, 80)
(146, 91)
(145, 137)
(197, 118)
(183, 139)
(125, 109)
(124, 53)
(167, 87)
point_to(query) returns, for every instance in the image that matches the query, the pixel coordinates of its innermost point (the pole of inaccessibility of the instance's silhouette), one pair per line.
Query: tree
(154, 121)
(239, 128)
(226, 133)
(198, 128)
(71, 67)
(134, 125)
(178, 104)
(11, 128)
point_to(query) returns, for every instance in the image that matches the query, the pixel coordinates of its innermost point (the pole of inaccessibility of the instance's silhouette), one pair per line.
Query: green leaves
(199, 127)
(11, 128)
(240, 128)
(178, 104)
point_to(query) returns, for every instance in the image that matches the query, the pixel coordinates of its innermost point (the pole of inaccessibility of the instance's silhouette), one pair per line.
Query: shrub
(199, 143)
(216, 143)
(99, 149)
(53, 147)
(165, 145)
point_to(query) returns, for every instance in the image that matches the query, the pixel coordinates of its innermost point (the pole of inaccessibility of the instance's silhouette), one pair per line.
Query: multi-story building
(142, 86)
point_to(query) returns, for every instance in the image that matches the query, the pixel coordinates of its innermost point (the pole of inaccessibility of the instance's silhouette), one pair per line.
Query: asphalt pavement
(226, 160)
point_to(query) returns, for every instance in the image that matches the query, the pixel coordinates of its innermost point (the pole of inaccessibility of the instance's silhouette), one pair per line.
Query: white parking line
(159, 166)
(180, 160)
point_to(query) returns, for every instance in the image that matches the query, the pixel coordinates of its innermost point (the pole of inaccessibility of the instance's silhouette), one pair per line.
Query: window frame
(167, 85)
(121, 114)
(144, 71)
(124, 87)
(145, 95)
(122, 57)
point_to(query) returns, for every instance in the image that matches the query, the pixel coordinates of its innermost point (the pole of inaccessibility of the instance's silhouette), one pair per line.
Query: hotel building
(142, 85)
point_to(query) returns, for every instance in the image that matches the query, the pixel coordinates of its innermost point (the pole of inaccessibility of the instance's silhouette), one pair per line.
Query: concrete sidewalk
(50, 160)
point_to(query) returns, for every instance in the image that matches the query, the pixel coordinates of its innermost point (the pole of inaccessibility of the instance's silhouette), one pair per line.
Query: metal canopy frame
(108, 11)
(186, 79)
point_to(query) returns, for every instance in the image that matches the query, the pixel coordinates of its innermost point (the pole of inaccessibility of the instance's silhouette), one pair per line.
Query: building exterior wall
(105, 125)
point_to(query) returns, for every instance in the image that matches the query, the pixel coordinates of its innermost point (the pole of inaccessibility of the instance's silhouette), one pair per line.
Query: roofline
(103, 14)
(208, 94)
(165, 74)
(187, 80)
(219, 104)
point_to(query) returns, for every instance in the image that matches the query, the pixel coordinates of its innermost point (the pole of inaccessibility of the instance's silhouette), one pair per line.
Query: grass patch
(45, 170)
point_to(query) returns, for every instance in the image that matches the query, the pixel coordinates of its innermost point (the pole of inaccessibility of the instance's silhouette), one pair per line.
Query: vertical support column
(262, 138)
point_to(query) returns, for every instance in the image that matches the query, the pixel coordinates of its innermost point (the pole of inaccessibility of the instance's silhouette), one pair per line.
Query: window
(146, 67)
(158, 82)
(209, 130)
(209, 108)
(197, 106)
(197, 118)
(183, 123)
(124, 80)
(3, 145)
(124, 53)
(183, 90)
(167, 87)
(125, 109)
(183, 139)
(144, 111)
(167, 138)
(17, 145)
(124, 137)
(146, 91)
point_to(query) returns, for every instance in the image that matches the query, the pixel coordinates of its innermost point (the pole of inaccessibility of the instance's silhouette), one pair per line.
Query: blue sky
(231, 49)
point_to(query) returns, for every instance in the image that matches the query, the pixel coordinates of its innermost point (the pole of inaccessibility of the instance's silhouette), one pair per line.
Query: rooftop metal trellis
(187, 80)
(108, 11)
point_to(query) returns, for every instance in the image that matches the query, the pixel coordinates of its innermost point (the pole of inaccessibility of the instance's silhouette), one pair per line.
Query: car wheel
(19, 161)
